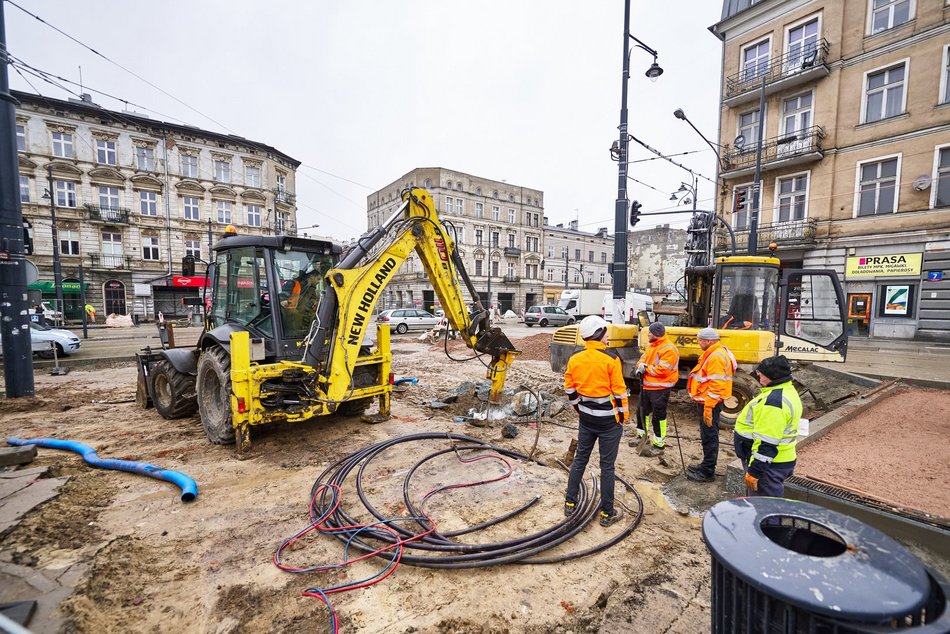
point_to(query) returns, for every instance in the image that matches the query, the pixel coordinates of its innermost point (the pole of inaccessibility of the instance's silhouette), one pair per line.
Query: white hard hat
(590, 325)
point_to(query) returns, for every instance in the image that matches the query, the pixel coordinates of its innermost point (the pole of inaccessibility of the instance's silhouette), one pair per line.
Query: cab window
(300, 278)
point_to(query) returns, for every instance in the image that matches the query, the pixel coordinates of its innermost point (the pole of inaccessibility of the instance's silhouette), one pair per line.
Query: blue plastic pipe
(189, 488)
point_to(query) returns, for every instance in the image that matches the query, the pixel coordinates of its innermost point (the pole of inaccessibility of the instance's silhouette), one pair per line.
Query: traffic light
(188, 266)
(634, 212)
(740, 200)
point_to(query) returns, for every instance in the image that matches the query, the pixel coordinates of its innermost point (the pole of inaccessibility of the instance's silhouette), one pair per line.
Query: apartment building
(133, 196)
(657, 259)
(855, 158)
(498, 229)
(575, 259)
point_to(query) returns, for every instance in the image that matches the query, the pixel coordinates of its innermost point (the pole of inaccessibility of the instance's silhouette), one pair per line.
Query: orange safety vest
(294, 296)
(594, 383)
(662, 360)
(711, 380)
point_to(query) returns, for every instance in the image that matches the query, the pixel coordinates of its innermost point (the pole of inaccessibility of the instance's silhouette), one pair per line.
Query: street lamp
(622, 146)
(689, 190)
(679, 114)
(57, 269)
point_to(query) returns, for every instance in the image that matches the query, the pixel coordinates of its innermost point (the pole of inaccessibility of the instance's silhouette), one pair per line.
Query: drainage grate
(850, 496)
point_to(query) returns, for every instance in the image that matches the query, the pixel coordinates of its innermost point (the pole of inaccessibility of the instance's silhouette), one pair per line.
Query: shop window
(897, 300)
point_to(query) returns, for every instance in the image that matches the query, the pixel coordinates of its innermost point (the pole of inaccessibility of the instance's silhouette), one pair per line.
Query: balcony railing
(790, 233)
(98, 213)
(798, 147)
(110, 261)
(512, 252)
(284, 196)
(511, 279)
(789, 69)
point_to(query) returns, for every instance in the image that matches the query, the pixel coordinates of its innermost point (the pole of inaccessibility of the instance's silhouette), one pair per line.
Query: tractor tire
(402, 329)
(173, 392)
(364, 376)
(214, 395)
(744, 389)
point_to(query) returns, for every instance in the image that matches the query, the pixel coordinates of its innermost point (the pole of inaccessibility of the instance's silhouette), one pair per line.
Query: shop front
(72, 308)
(169, 299)
(883, 293)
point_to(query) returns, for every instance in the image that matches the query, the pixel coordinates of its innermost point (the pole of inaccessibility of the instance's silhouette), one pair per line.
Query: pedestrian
(40, 315)
(658, 371)
(709, 384)
(596, 390)
(767, 430)
(91, 312)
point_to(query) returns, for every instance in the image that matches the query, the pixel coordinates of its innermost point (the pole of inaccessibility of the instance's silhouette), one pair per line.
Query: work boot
(693, 467)
(610, 519)
(636, 439)
(652, 451)
(699, 476)
(569, 509)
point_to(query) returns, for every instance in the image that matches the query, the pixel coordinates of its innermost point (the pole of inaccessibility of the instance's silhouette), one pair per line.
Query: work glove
(641, 369)
(751, 482)
(707, 417)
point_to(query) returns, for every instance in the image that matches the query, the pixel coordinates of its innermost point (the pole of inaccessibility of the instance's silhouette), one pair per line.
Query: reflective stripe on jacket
(662, 360)
(594, 383)
(771, 421)
(711, 380)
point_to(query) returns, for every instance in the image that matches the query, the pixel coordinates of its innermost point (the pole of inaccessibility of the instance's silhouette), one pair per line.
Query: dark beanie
(657, 329)
(775, 368)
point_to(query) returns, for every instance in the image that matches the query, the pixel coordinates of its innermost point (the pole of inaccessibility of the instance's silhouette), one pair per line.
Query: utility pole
(567, 261)
(757, 179)
(14, 308)
(619, 268)
(54, 232)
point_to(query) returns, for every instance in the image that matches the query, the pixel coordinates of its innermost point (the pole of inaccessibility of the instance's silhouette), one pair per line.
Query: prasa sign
(896, 265)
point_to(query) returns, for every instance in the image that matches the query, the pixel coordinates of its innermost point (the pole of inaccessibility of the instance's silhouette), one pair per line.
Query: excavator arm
(354, 287)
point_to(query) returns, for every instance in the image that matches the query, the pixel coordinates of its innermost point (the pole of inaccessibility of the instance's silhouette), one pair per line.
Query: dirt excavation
(113, 551)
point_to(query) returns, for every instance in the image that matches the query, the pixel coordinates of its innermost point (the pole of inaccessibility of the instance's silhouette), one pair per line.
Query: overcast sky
(362, 92)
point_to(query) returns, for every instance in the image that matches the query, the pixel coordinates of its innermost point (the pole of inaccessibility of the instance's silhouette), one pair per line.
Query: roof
(276, 242)
(116, 117)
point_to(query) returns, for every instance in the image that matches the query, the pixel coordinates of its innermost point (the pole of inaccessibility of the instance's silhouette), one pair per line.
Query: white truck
(580, 302)
(633, 304)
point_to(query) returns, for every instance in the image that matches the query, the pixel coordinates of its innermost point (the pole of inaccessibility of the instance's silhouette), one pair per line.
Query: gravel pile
(535, 347)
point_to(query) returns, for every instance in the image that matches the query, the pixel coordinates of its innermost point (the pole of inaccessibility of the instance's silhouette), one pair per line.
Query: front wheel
(402, 329)
(214, 395)
(173, 392)
(570, 322)
(744, 389)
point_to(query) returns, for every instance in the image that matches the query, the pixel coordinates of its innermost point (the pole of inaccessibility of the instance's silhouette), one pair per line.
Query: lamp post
(620, 152)
(689, 190)
(491, 252)
(57, 269)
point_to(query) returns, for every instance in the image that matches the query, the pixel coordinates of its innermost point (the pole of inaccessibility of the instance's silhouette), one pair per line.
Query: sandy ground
(870, 453)
(134, 558)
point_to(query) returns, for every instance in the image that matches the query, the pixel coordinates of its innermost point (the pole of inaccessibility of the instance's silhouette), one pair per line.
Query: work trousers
(607, 434)
(653, 403)
(772, 480)
(709, 436)
(743, 447)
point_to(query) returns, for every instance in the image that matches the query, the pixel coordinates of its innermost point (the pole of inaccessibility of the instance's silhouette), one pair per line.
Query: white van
(634, 303)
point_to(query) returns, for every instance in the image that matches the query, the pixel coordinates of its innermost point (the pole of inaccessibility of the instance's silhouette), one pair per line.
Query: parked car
(42, 337)
(547, 315)
(404, 319)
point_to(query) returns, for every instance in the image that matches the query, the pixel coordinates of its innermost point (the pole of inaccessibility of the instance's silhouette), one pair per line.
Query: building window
(427, 183)
(886, 14)
(511, 240)
(280, 221)
(590, 256)
(603, 278)
(897, 300)
(944, 78)
(942, 180)
(494, 194)
(281, 182)
(253, 215)
(550, 251)
(494, 268)
(884, 93)
(877, 187)
(478, 191)
(577, 255)
(105, 152)
(68, 242)
(192, 206)
(478, 237)
(449, 204)
(796, 114)
(20, 138)
(494, 238)
(148, 203)
(478, 267)
(145, 158)
(741, 201)
(24, 189)
(150, 249)
(550, 275)
(564, 252)
(458, 186)
(252, 176)
(448, 185)
(224, 211)
(62, 144)
(755, 60)
(495, 213)
(511, 269)
(603, 257)
(460, 235)
(511, 216)
(108, 197)
(189, 166)
(222, 171)
(792, 196)
(65, 193)
(112, 249)
(748, 130)
(459, 207)
(802, 42)
(479, 210)
(193, 248)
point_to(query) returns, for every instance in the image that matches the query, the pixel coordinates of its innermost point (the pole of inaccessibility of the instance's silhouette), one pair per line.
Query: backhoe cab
(289, 333)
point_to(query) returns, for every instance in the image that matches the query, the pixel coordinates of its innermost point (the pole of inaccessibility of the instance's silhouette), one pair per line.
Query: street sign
(934, 276)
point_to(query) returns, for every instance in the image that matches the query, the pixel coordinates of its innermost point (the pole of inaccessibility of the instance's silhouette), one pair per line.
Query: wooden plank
(17, 455)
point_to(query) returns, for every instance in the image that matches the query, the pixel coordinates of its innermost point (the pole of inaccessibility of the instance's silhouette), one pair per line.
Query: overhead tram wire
(663, 156)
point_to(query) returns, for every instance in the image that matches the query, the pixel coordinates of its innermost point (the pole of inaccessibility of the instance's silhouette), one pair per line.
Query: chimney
(573, 225)
(560, 225)
(602, 232)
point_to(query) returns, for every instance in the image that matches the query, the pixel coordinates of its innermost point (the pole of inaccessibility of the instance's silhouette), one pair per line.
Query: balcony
(788, 71)
(512, 252)
(108, 214)
(794, 233)
(110, 261)
(511, 279)
(803, 146)
(284, 197)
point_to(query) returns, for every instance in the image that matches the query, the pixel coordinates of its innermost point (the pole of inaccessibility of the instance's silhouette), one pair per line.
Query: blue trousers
(607, 434)
(709, 437)
(772, 480)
